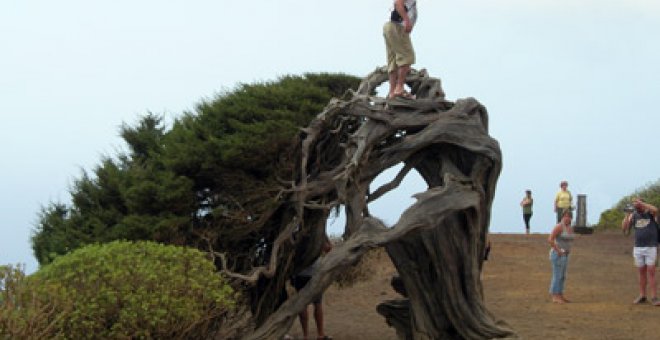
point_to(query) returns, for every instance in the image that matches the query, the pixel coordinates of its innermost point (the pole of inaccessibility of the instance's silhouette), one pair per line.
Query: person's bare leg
(402, 73)
(651, 275)
(642, 280)
(392, 78)
(318, 317)
(304, 323)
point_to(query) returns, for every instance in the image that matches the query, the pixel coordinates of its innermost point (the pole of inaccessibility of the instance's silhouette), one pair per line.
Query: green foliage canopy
(209, 181)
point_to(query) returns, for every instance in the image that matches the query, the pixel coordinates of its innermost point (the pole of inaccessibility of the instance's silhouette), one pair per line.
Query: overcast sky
(571, 86)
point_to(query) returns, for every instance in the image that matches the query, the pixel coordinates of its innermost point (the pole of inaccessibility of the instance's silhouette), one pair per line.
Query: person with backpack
(400, 52)
(644, 218)
(561, 243)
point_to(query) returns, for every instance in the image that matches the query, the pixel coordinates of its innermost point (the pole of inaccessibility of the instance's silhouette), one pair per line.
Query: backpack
(396, 17)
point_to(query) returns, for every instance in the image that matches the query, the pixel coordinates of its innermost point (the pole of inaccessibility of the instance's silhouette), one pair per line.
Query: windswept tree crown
(208, 180)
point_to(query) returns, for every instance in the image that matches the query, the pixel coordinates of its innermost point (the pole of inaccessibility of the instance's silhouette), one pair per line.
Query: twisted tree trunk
(438, 243)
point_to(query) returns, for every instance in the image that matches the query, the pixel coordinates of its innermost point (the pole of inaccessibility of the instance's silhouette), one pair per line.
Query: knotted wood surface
(437, 245)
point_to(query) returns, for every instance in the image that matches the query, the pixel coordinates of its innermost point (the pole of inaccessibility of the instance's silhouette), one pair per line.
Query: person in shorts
(644, 220)
(400, 52)
(299, 281)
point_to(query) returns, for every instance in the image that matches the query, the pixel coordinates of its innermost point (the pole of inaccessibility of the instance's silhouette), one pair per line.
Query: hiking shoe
(640, 299)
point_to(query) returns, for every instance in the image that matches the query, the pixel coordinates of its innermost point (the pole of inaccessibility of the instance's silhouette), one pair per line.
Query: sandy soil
(601, 283)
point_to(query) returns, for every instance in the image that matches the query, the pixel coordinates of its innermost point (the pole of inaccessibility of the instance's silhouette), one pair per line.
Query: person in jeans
(561, 241)
(644, 219)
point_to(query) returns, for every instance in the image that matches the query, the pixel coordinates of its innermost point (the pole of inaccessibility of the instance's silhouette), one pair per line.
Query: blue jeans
(559, 265)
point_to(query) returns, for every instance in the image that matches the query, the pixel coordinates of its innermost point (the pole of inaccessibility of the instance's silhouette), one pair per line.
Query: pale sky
(570, 86)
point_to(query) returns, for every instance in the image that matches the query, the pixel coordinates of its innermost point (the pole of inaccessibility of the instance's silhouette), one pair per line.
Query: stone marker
(581, 216)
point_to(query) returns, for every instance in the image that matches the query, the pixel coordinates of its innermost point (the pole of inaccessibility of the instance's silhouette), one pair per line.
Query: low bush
(23, 314)
(127, 290)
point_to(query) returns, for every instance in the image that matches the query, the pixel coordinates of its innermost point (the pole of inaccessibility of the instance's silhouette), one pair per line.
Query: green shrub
(610, 219)
(134, 290)
(23, 315)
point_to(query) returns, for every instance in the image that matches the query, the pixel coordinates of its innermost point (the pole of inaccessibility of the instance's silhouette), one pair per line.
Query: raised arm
(643, 206)
(400, 7)
(625, 223)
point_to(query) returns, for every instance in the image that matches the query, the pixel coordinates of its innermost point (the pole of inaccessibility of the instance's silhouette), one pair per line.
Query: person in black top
(644, 220)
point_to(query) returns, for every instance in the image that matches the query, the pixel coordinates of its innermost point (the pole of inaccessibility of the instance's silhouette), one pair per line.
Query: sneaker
(655, 301)
(640, 299)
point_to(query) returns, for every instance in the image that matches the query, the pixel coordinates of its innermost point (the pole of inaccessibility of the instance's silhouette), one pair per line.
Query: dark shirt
(646, 229)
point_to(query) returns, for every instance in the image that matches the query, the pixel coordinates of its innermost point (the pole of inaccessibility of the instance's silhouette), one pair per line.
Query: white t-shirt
(411, 5)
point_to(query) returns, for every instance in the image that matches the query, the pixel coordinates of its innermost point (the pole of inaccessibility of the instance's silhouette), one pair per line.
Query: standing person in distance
(526, 205)
(400, 52)
(299, 281)
(563, 199)
(561, 241)
(644, 218)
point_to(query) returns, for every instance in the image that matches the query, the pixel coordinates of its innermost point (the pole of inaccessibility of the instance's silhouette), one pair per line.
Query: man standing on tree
(643, 218)
(400, 53)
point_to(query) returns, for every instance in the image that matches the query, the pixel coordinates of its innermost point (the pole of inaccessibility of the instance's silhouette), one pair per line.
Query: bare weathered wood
(397, 315)
(437, 245)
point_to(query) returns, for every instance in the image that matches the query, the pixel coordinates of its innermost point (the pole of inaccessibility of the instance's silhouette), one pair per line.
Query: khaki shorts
(398, 45)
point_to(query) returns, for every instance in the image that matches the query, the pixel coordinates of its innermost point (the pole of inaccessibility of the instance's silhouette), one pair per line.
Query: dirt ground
(601, 283)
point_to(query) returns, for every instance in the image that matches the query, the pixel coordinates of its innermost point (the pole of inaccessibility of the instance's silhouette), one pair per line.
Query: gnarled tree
(226, 178)
(438, 243)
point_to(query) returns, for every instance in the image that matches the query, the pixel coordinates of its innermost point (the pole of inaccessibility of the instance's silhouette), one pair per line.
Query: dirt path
(601, 284)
